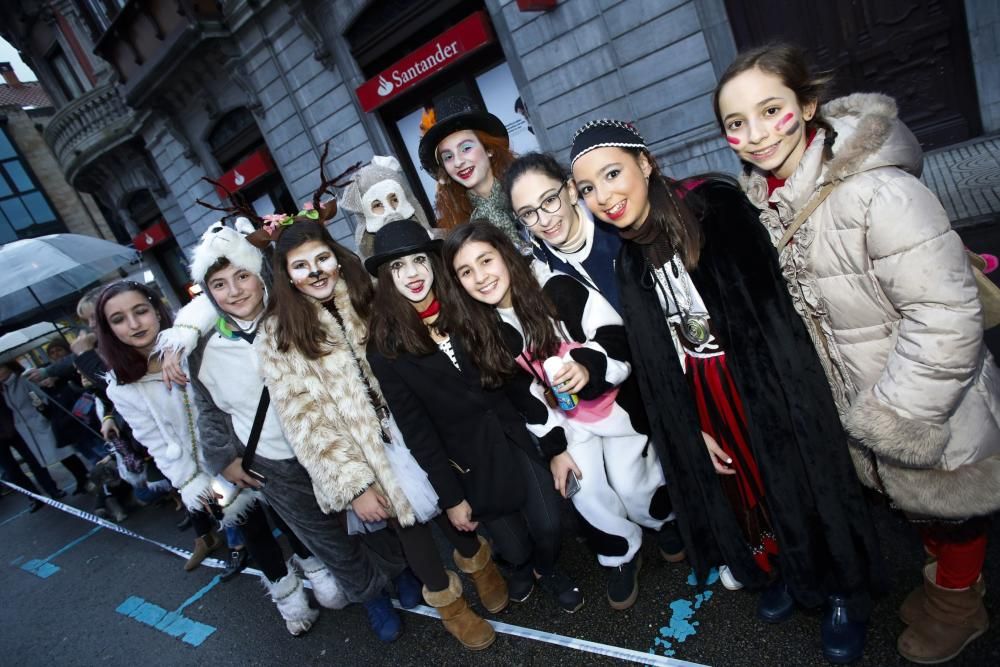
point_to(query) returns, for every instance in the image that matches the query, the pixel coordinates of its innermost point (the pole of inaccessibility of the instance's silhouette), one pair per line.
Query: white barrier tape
(504, 628)
(572, 642)
(103, 523)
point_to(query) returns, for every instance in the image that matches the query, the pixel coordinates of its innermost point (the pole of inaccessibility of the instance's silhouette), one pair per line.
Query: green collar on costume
(223, 328)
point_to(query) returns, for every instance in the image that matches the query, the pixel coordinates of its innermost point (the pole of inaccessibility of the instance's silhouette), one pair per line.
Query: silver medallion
(695, 329)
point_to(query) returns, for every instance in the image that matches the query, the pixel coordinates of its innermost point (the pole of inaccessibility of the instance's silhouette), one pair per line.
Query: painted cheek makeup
(733, 140)
(783, 124)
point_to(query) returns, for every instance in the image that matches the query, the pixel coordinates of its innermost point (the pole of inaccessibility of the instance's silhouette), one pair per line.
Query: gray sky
(9, 54)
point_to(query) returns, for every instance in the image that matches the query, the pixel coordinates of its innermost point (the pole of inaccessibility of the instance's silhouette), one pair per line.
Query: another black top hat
(454, 114)
(399, 239)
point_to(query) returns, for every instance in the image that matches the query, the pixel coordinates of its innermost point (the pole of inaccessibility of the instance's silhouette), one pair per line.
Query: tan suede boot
(951, 619)
(490, 584)
(464, 624)
(202, 547)
(913, 605)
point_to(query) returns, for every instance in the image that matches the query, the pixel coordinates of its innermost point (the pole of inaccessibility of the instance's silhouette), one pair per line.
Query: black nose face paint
(315, 274)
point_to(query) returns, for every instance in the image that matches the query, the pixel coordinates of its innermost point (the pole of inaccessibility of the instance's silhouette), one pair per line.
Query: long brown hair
(127, 362)
(673, 210)
(452, 201)
(790, 64)
(480, 328)
(297, 322)
(395, 327)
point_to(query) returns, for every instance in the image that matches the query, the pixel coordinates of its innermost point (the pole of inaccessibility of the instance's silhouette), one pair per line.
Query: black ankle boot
(775, 604)
(843, 638)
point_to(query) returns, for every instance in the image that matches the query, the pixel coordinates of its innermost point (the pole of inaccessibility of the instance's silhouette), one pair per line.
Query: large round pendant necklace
(693, 327)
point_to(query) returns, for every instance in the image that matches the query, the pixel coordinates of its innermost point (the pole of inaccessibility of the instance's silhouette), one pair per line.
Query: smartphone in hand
(257, 476)
(572, 485)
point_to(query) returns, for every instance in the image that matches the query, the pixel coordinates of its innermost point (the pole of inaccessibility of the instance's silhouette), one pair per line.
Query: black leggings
(202, 522)
(422, 554)
(259, 538)
(77, 468)
(263, 546)
(530, 536)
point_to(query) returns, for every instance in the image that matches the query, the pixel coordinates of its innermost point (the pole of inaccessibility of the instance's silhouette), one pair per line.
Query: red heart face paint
(733, 140)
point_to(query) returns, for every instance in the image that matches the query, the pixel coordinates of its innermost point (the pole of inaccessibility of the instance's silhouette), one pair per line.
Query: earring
(442, 180)
(489, 153)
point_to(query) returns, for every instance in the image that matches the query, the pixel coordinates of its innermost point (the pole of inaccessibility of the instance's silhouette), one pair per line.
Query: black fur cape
(817, 508)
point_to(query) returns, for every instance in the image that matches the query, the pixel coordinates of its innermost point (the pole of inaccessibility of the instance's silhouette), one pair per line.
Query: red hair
(452, 203)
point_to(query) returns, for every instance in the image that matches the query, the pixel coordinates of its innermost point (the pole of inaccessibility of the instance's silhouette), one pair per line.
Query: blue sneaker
(409, 590)
(384, 619)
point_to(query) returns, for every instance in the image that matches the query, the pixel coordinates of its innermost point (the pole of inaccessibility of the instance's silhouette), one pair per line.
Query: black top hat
(454, 114)
(398, 239)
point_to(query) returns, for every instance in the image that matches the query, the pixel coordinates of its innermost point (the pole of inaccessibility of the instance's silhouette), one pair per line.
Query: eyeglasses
(550, 204)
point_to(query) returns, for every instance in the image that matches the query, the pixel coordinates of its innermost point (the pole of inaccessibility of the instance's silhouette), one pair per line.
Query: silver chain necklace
(694, 328)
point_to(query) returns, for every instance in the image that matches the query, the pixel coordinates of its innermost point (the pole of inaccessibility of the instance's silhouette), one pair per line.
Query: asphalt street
(71, 596)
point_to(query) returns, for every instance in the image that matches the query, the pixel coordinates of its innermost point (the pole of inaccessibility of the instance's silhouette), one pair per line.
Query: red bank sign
(257, 164)
(447, 49)
(151, 236)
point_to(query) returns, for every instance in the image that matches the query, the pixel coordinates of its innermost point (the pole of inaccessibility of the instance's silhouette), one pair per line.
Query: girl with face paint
(311, 347)
(471, 441)
(887, 294)
(748, 432)
(467, 151)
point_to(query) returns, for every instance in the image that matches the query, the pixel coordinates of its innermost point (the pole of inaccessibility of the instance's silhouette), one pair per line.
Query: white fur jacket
(165, 422)
(885, 289)
(326, 412)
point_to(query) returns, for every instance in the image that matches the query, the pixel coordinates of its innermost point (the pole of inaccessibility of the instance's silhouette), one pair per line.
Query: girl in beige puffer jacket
(885, 289)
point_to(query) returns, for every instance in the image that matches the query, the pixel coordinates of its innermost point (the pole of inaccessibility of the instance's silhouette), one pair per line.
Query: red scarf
(431, 310)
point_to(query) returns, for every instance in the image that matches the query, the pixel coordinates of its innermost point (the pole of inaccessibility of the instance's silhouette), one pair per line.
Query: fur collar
(863, 122)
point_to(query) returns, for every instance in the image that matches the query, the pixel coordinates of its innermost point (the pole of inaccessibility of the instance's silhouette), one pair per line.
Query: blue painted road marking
(43, 568)
(682, 611)
(173, 623)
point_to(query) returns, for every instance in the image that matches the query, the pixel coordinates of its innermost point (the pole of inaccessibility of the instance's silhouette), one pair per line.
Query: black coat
(825, 535)
(459, 433)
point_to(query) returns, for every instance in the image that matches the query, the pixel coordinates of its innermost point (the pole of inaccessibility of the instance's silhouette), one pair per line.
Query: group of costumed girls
(722, 364)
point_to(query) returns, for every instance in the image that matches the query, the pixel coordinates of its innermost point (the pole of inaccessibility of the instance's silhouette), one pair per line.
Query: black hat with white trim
(604, 132)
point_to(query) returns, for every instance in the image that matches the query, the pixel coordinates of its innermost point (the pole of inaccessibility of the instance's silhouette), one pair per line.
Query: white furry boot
(324, 585)
(293, 604)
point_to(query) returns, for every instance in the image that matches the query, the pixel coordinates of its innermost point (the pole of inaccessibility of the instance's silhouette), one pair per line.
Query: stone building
(152, 96)
(35, 198)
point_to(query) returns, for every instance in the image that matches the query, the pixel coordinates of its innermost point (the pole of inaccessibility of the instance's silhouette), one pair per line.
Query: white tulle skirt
(412, 481)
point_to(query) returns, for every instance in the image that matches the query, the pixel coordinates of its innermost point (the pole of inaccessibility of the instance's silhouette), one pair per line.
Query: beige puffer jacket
(886, 291)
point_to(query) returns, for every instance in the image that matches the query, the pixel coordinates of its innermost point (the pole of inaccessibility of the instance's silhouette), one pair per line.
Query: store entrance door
(916, 51)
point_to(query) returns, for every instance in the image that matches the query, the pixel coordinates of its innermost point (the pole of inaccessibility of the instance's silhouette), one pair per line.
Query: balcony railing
(87, 127)
(148, 39)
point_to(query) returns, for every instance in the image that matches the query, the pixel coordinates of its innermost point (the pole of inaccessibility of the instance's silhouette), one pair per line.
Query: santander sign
(453, 45)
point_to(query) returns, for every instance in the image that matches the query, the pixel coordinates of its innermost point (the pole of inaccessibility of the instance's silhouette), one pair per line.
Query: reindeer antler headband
(269, 228)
